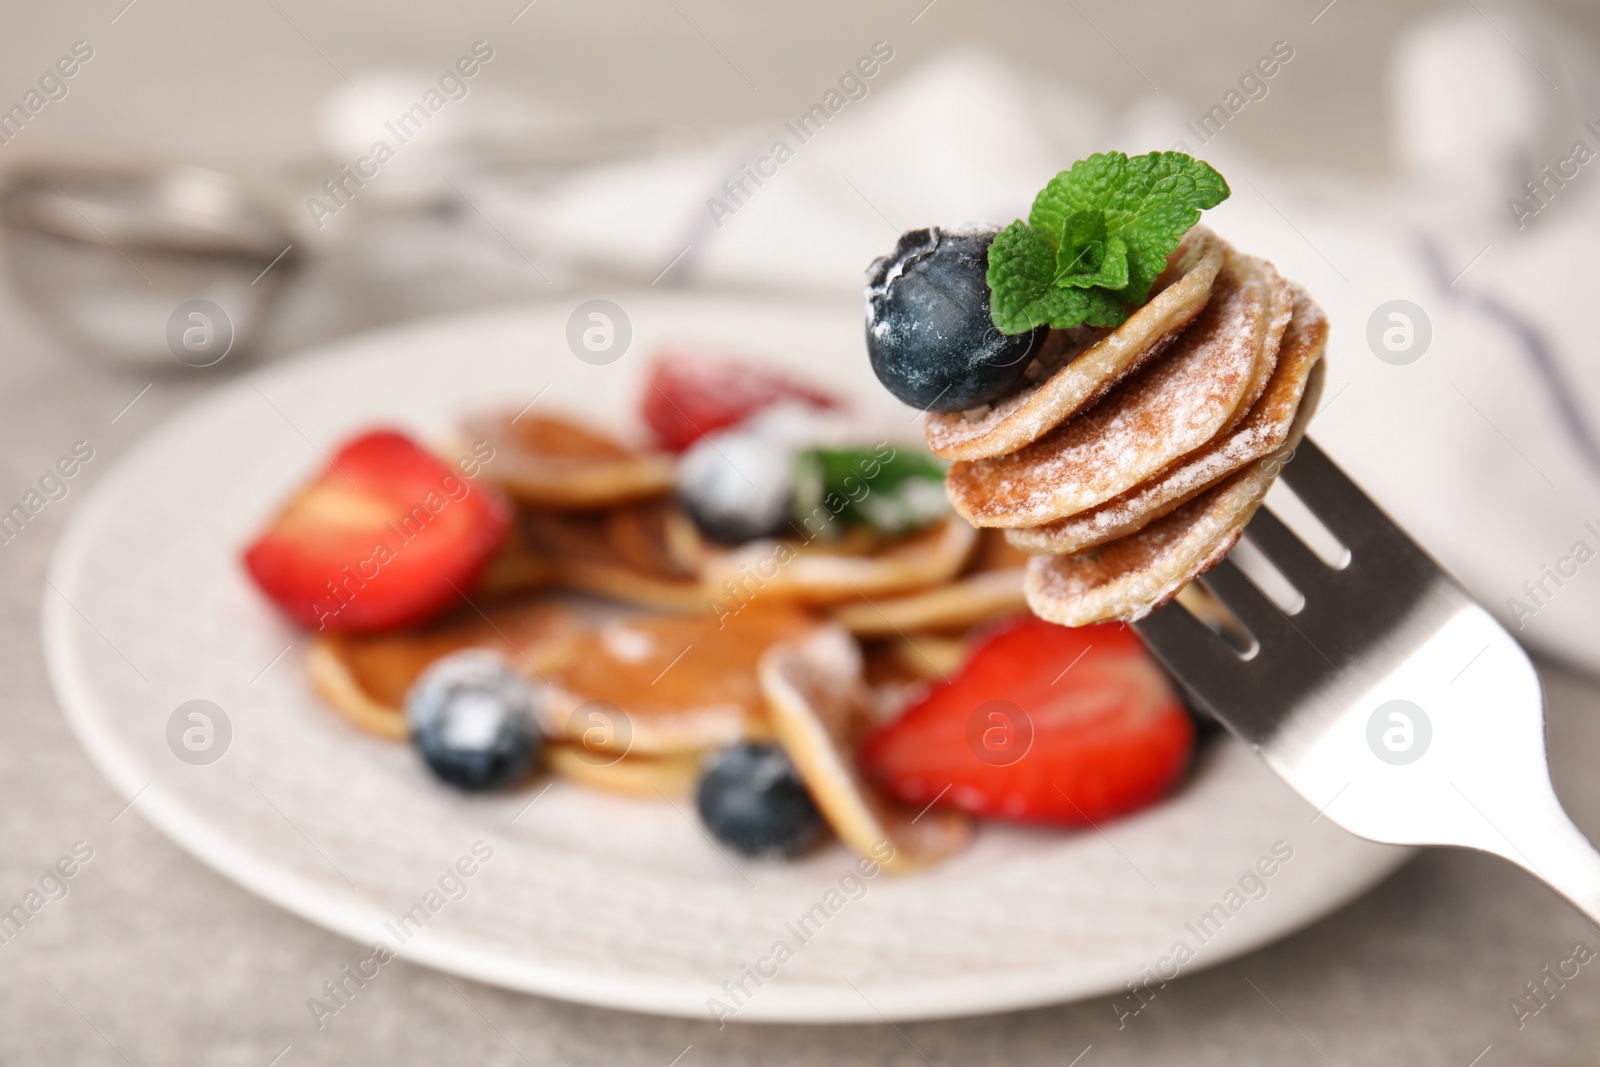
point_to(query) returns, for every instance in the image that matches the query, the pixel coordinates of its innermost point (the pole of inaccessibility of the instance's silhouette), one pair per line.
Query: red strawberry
(377, 540)
(1043, 723)
(691, 394)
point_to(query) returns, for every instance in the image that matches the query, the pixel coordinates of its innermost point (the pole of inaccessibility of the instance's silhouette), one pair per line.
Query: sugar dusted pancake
(814, 693)
(1132, 576)
(1086, 369)
(990, 586)
(365, 676)
(659, 685)
(649, 777)
(995, 552)
(963, 602)
(515, 567)
(1172, 407)
(923, 657)
(1277, 419)
(553, 462)
(622, 553)
(822, 572)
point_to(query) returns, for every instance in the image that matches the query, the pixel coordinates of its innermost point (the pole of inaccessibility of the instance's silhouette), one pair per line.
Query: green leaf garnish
(892, 491)
(1096, 238)
(1090, 257)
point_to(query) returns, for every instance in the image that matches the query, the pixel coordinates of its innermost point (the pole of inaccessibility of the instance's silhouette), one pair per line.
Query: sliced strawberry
(384, 537)
(1043, 723)
(691, 394)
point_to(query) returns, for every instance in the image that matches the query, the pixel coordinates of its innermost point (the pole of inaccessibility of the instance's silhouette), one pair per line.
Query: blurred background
(163, 159)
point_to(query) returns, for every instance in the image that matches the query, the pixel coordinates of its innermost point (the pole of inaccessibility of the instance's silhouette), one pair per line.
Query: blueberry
(738, 485)
(929, 335)
(752, 800)
(471, 719)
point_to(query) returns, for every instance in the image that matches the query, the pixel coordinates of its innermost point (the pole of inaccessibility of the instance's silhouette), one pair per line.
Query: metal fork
(1391, 700)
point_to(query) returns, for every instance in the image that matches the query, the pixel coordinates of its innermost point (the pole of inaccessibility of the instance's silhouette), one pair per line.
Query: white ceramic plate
(588, 896)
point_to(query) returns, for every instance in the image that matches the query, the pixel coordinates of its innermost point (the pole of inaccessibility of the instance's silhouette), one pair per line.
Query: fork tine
(1385, 633)
(1386, 566)
(1259, 615)
(1184, 645)
(1338, 502)
(1288, 553)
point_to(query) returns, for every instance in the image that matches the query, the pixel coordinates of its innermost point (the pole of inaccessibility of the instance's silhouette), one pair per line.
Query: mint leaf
(1089, 257)
(1022, 273)
(1098, 235)
(1023, 290)
(887, 489)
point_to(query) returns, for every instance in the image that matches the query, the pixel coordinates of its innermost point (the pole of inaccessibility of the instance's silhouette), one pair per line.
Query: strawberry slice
(382, 538)
(691, 394)
(1044, 724)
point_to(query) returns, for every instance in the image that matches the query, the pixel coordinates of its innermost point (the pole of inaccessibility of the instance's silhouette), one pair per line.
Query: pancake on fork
(1133, 575)
(1083, 364)
(1293, 390)
(1200, 387)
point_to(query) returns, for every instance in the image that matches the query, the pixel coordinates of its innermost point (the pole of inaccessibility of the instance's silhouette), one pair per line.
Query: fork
(1390, 700)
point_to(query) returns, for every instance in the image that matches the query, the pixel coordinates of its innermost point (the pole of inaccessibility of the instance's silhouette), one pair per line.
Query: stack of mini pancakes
(1131, 460)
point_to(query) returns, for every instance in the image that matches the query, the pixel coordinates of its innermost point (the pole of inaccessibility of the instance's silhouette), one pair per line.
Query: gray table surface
(153, 958)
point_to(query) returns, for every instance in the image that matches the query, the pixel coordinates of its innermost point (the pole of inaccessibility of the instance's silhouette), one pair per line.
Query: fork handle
(1560, 855)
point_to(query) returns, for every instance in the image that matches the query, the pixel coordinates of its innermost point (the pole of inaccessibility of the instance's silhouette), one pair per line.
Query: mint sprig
(1096, 238)
(890, 491)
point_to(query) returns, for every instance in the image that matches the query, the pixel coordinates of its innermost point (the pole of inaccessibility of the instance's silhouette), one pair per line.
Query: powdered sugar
(1165, 411)
(1275, 422)
(1133, 575)
(1089, 369)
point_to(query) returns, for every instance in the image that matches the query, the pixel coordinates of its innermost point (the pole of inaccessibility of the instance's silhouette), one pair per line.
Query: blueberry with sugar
(752, 800)
(738, 485)
(930, 337)
(472, 720)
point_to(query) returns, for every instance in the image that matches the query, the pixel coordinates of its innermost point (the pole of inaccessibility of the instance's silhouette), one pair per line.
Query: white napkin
(958, 139)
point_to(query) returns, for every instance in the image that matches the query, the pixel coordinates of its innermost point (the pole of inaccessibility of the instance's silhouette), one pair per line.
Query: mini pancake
(1280, 416)
(621, 554)
(1165, 411)
(684, 544)
(1282, 304)
(990, 586)
(929, 657)
(1133, 575)
(515, 567)
(1089, 365)
(553, 462)
(956, 604)
(892, 682)
(813, 689)
(650, 777)
(995, 552)
(365, 676)
(638, 534)
(821, 572)
(660, 685)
